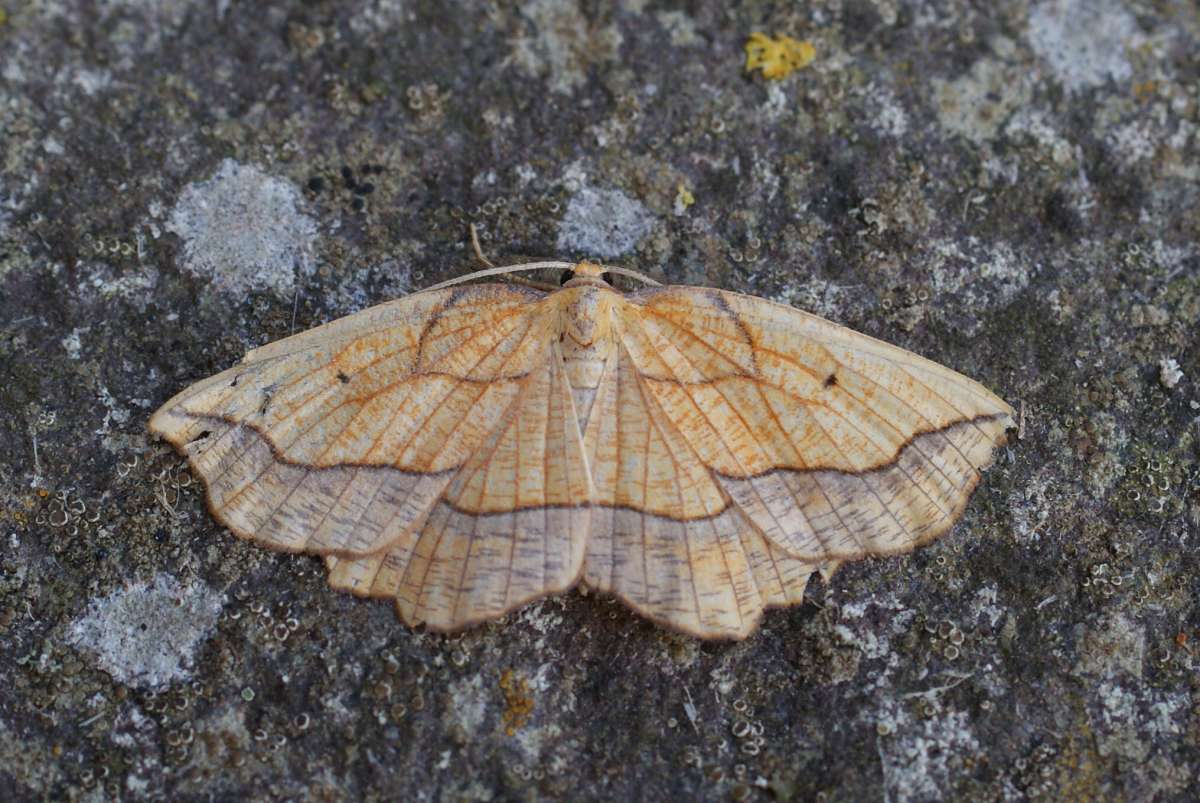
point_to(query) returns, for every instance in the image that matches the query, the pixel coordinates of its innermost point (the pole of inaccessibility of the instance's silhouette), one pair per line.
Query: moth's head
(587, 300)
(584, 274)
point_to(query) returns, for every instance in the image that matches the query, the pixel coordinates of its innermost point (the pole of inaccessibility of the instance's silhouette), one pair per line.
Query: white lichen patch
(976, 104)
(872, 639)
(1130, 721)
(602, 224)
(1117, 726)
(1085, 42)
(544, 616)
(1005, 271)
(537, 744)
(980, 273)
(1114, 645)
(680, 28)
(1034, 126)
(921, 756)
(1169, 372)
(244, 230)
(563, 44)
(72, 344)
(147, 633)
(888, 117)
(1118, 705)
(468, 705)
(104, 282)
(1133, 142)
(984, 608)
(865, 640)
(820, 296)
(377, 17)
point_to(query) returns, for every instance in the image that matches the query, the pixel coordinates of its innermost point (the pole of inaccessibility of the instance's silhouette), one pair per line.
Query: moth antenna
(498, 270)
(633, 274)
(475, 244)
(514, 279)
(521, 280)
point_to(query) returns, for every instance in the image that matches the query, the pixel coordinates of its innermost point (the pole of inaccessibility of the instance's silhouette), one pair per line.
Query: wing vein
(503, 419)
(896, 459)
(865, 484)
(733, 454)
(434, 408)
(934, 428)
(652, 420)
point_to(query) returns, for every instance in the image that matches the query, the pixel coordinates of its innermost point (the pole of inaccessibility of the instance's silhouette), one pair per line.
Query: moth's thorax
(587, 319)
(586, 314)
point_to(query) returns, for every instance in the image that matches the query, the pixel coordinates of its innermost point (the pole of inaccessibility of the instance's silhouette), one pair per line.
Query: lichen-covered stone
(1009, 188)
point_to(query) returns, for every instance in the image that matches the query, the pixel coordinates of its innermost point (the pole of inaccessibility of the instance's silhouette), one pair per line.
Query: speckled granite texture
(1010, 188)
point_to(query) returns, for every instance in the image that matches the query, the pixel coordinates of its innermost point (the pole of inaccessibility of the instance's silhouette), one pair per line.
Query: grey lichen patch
(244, 230)
(1169, 373)
(28, 765)
(1113, 645)
(1085, 42)
(603, 223)
(1131, 721)
(977, 104)
(564, 43)
(467, 708)
(147, 634)
(923, 754)
(680, 27)
(997, 273)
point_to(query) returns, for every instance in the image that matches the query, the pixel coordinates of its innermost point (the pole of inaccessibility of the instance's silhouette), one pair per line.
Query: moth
(696, 453)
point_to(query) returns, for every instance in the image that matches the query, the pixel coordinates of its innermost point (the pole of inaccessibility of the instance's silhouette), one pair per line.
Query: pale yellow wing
(439, 423)
(833, 444)
(665, 538)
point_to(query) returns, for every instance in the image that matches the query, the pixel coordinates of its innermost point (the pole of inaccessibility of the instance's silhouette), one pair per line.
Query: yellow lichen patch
(518, 702)
(1145, 91)
(779, 57)
(683, 199)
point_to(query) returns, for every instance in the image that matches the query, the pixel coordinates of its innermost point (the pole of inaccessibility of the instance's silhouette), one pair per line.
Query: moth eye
(566, 276)
(607, 277)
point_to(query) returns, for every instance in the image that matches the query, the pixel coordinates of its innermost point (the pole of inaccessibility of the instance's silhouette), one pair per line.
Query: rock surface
(1009, 188)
